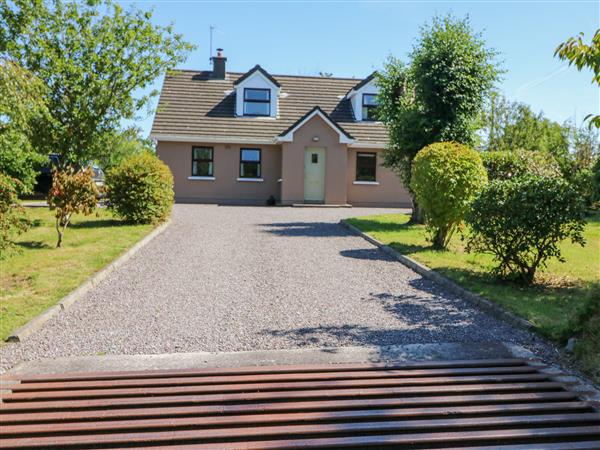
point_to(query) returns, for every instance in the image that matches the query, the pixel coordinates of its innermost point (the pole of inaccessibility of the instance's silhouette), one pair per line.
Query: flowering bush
(72, 192)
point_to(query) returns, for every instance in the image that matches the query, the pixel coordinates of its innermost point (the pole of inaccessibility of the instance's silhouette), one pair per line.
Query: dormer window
(369, 107)
(256, 94)
(257, 102)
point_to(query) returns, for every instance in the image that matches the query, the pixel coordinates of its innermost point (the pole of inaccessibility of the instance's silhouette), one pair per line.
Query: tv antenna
(212, 28)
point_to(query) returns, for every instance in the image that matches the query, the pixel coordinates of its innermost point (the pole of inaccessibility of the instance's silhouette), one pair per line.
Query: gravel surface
(226, 278)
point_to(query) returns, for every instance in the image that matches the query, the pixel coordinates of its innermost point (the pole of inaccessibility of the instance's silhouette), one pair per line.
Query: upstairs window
(202, 161)
(250, 163)
(369, 107)
(257, 102)
(366, 166)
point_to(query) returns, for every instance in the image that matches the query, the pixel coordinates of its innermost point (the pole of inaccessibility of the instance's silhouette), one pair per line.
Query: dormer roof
(287, 135)
(262, 71)
(361, 84)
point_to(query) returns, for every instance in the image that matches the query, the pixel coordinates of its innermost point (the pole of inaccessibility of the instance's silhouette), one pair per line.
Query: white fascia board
(352, 92)
(212, 139)
(250, 80)
(363, 144)
(289, 136)
(253, 141)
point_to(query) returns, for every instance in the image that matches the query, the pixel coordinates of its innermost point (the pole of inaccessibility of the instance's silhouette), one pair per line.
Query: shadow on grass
(368, 225)
(33, 244)
(102, 223)
(373, 226)
(409, 249)
(556, 309)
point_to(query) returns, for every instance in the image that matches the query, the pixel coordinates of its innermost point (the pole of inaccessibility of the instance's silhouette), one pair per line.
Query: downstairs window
(366, 166)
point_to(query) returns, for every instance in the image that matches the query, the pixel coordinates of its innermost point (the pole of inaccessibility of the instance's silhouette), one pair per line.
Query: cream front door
(314, 174)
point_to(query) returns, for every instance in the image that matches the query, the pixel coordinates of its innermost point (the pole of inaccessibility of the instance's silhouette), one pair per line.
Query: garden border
(37, 322)
(483, 303)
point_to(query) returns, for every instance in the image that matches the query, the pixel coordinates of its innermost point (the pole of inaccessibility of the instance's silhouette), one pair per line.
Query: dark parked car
(44, 179)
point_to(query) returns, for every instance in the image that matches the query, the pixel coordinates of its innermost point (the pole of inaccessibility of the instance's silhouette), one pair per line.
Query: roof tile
(192, 103)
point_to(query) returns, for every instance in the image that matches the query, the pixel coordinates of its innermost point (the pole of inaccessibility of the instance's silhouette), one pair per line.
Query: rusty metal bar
(504, 404)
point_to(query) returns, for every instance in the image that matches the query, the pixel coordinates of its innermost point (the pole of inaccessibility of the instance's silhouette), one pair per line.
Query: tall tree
(513, 126)
(95, 59)
(21, 109)
(438, 96)
(121, 145)
(583, 56)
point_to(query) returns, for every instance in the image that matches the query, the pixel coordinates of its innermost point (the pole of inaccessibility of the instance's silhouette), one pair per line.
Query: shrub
(596, 184)
(583, 182)
(72, 192)
(502, 165)
(521, 222)
(13, 220)
(588, 332)
(140, 189)
(446, 177)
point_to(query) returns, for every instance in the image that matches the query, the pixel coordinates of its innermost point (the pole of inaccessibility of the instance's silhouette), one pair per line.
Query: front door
(314, 175)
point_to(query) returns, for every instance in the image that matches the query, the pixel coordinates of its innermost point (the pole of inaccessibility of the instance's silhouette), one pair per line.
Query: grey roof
(316, 108)
(363, 82)
(194, 104)
(261, 70)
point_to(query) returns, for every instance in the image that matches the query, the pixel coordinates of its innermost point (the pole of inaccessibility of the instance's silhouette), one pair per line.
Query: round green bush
(521, 222)
(140, 189)
(502, 165)
(446, 177)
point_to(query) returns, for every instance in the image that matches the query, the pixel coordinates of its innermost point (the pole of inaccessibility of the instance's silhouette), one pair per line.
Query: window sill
(255, 180)
(202, 178)
(367, 183)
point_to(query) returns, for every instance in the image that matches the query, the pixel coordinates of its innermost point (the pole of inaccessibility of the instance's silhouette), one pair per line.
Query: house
(242, 138)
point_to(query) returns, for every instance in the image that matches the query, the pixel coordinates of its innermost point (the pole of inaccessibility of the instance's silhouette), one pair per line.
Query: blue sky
(353, 38)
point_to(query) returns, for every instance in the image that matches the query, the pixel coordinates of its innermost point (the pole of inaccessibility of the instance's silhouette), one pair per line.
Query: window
(366, 164)
(257, 102)
(250, 163)
(369, 107)
(314, 158)
(202, 161)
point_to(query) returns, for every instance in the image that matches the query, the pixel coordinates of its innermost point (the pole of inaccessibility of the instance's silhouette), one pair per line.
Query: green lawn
(40, 275)
(552, 304)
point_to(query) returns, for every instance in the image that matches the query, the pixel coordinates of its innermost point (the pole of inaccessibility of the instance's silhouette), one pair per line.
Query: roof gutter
(212, 139)
(247, 141)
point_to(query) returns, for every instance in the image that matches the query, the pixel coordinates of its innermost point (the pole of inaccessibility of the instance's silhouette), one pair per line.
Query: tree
(13, 220)
(120, 145)
(502, 165)
(404, 121)
(513, 126)
(439, 96)
(453, 71)
(72, 192)
(584, 145)
(94, 58)
(446, 177)
(21, 107)
(583, 56)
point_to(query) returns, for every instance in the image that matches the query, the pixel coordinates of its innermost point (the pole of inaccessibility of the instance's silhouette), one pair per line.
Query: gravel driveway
(225, 278)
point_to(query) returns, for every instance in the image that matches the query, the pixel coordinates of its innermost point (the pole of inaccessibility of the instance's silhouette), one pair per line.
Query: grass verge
(40, 274)
(560, 303)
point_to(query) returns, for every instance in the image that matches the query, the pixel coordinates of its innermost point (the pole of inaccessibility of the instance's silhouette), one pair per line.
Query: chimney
(219, 65)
